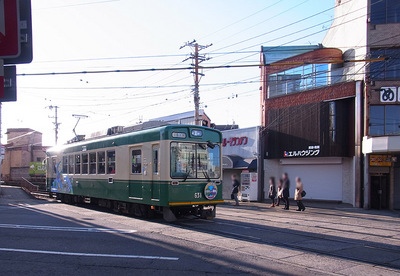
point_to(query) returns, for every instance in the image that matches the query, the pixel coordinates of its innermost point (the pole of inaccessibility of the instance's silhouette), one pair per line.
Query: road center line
(66, 229)
(89, 254)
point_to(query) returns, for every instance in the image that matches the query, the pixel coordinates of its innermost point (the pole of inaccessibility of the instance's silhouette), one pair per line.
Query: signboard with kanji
(380, 160)
(388, 94)
(9, 29)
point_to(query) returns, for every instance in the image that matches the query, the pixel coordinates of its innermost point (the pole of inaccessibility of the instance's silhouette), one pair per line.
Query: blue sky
(85, 35)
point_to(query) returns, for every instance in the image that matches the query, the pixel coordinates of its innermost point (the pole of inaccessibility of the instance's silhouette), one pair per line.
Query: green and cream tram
(174, 170)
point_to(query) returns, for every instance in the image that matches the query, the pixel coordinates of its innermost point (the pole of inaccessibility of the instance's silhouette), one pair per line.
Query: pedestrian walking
(235, 189)
(280, 193)
(272, 190)
(298, 194)
(286, 190)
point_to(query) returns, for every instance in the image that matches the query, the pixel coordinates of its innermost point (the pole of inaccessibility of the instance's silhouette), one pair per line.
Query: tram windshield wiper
(186, 176)
(206, 175)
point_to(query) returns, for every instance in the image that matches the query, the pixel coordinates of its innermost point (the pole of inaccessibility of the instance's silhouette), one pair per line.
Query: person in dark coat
(272, 190)
(235, 189)
(286, 190)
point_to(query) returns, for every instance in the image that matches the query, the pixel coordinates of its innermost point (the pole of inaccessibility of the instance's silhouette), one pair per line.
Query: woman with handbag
(299, 193)
(280, 193)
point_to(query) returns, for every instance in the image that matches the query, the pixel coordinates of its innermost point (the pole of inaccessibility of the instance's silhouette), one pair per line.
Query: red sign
(9, 28)
(234, 141)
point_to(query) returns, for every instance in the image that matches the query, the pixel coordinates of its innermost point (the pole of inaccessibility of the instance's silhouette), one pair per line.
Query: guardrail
(27, 185)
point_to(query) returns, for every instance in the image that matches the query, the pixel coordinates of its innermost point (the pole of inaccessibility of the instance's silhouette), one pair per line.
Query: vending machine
(249, 186)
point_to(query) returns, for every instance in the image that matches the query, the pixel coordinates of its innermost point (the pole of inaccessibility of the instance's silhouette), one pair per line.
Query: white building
(240, 152)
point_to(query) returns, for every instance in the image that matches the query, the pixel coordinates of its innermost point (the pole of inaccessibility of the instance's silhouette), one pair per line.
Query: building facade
(308, 119)
(370, 30)
(24, 146)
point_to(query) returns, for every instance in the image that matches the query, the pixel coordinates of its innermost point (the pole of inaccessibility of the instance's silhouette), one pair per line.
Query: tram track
(292, 246)
(313, 235)
(318, 221)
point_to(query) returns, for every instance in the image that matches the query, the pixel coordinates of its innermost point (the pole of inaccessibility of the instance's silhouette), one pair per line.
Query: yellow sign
(380, 160)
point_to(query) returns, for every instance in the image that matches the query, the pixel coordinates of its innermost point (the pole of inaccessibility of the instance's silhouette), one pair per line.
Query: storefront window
(384, 120)
(332, 122)
(385, 11)
(298, 79)
(388, 69)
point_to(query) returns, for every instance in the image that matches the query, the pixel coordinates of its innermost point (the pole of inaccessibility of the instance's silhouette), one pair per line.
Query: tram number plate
(197, 195)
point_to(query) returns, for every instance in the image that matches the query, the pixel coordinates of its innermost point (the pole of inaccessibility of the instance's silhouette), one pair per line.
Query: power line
(185, 68)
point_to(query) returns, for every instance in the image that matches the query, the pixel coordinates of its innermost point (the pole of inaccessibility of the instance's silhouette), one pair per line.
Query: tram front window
(190, 160)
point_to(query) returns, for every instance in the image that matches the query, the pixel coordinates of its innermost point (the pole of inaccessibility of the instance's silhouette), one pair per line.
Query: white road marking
(67, 229)
(89, 254)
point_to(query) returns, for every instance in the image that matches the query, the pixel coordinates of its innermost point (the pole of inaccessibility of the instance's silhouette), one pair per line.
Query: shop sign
(380, 160)
(311, 151)
(389, 94)
(37, 168)
(235, 141)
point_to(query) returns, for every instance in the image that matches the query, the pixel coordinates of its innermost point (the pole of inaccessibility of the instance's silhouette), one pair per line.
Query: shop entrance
(380, 191)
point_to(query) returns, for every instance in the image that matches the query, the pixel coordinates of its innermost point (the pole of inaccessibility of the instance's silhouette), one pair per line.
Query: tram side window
(101, 162)
(85, 163)
(77, 163)
(65, 164)
(136, 161)
(54, 164)
(155, 161)
(92, 163)
(71, 164)
(111, 162)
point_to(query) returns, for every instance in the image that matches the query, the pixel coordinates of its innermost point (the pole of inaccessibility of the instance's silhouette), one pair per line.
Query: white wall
(250, 150)
(348, 32)
(323, 178)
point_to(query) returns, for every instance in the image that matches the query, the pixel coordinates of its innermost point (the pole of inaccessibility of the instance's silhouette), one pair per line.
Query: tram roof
(141, 136)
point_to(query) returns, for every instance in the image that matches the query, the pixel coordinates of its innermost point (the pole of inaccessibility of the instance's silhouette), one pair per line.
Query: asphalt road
(41, 237)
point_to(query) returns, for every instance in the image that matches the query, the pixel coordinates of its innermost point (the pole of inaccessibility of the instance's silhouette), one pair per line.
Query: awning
(237, 162)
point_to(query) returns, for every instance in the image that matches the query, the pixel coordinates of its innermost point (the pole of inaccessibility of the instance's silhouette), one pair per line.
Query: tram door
(155, 184)
(136, 174)
(380, 191)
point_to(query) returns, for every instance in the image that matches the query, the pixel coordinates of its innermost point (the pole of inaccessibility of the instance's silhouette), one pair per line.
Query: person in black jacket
(235, 189)
(272, 190)
(286, 187)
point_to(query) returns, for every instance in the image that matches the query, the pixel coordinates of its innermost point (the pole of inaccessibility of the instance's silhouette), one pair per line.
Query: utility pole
(55, 117)
(196, 60)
